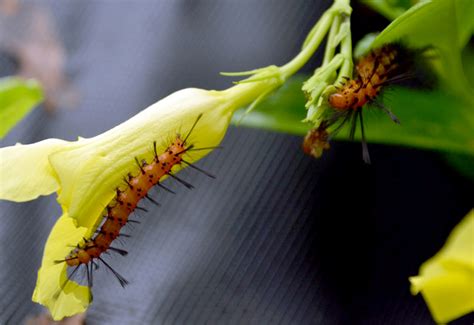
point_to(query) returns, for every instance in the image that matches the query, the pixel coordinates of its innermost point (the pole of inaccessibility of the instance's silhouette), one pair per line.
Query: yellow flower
(85, 173)
(446, 281)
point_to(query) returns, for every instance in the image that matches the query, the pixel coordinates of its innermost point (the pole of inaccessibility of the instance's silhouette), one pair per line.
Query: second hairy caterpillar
(125, 202)
(373, 72)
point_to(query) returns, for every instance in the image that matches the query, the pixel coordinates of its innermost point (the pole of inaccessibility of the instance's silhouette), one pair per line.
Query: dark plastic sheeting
(278, 237)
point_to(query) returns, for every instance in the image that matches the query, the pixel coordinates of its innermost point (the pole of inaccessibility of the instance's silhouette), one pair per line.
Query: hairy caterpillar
(372, 72)
(380, 67)
(125, 202)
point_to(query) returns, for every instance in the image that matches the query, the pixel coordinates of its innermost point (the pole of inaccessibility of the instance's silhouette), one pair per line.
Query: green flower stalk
(86, 172)
(335, 67)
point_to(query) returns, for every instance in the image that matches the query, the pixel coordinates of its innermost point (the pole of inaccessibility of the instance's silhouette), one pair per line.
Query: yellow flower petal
(446, 281)
(87, 172)
(25, 172)
(90, 171)
(63, 298)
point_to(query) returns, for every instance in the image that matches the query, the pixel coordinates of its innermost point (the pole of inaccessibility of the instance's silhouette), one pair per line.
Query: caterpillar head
(338, 100)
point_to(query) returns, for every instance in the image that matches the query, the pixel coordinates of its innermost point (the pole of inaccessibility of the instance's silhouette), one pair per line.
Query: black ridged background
(277, 238)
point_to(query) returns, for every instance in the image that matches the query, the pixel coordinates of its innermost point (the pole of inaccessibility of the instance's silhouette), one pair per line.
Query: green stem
(247, 91)
(346, 51)
(322, 28)
(330, 48)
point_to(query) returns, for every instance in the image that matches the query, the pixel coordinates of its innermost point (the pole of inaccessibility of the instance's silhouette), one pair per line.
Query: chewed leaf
(17, 98)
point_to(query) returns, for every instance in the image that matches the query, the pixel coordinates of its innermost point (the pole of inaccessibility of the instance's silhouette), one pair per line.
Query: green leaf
(462, 163)
(429, 120)
(283, 111)
(446, 25)
(17, 98)
(468, 63)
(437, 120)
(390, 9)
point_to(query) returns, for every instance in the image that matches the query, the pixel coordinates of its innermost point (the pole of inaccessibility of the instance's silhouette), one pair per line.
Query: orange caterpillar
(372, 72)
(126, 201)
(388, 64)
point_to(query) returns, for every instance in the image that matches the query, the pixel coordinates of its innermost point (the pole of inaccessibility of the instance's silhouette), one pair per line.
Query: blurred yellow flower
(446, 281)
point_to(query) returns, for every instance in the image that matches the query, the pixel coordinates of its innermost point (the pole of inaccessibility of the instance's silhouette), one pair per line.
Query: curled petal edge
(26, 172)
(53, 290)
